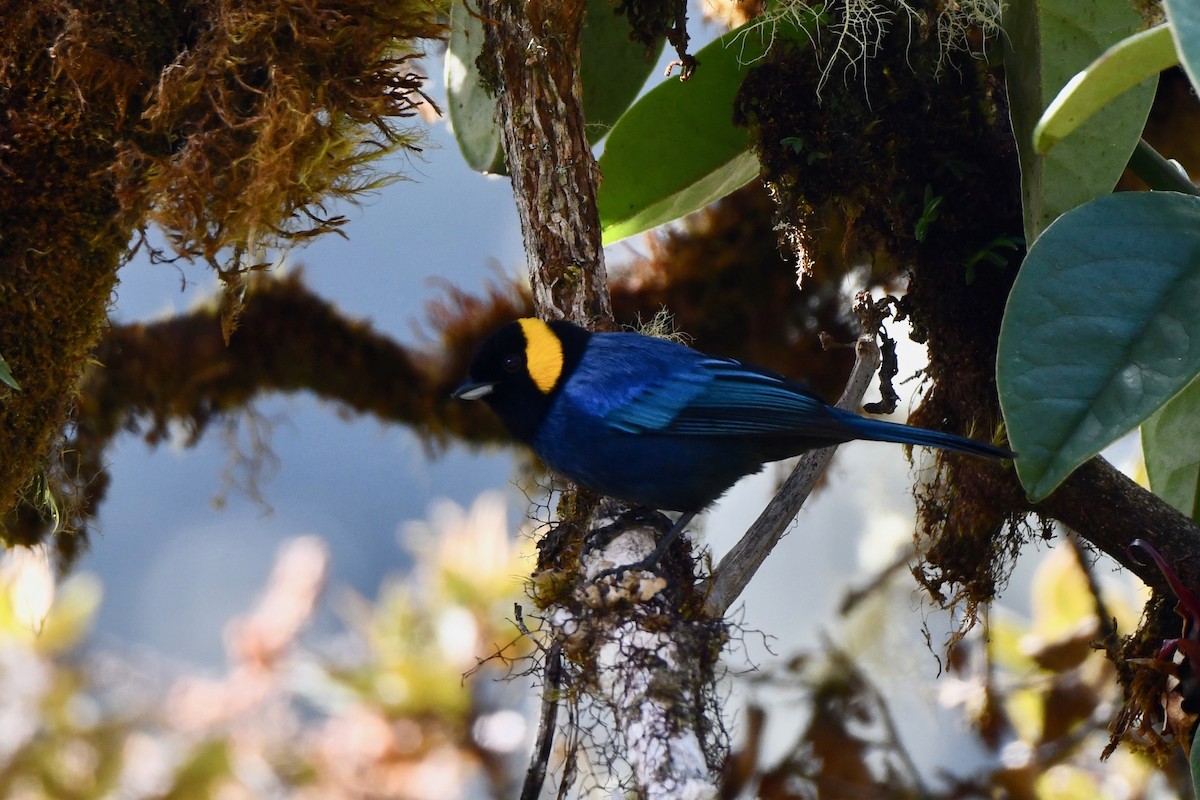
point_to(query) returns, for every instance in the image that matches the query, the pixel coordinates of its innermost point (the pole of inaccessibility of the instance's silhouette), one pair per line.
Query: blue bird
(655, 423)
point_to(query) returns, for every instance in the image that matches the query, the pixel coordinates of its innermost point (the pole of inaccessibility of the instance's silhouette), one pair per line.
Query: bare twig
(739, 565)
(535, 775)
(880, 579)
(1106, 623)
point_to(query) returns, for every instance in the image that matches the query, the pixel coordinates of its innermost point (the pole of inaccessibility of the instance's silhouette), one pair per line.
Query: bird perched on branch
(655, 423)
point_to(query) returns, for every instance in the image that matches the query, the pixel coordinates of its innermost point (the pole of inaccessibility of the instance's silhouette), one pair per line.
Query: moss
(273, 110)
(653, 20)
(181, 374)
(62, 241)
(228, 124)
(907, 167)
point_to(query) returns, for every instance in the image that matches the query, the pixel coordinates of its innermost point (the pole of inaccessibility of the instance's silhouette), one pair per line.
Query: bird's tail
(878, 430)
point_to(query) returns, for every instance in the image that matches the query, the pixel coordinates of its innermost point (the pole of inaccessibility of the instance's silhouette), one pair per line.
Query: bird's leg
(632, 517)
(651, 561)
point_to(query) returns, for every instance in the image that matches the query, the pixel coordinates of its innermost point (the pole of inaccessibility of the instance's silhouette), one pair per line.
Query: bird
(656, 423)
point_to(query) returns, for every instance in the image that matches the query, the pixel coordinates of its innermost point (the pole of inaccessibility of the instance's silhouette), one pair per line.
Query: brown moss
(907, 166)
(855, 174)
(146, 377)
(229, 124)
(61, 241)
(272, 111)
(653, 20)
(1139, 723)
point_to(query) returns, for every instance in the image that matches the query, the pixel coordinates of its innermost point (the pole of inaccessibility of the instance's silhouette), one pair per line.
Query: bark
(642, 657)
(1109, 510)
(654, 667)
(532, 51)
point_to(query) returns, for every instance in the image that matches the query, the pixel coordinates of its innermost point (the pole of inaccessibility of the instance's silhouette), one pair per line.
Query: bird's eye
(512, 363)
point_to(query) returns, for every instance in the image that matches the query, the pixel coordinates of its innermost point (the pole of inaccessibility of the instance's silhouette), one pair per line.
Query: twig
(847, 665)
(739, 565)
(1106, 623)
(535, 775)
(880, 579)
(519, 613)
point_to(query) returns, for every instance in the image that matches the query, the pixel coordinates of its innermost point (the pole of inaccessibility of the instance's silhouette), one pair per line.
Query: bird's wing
(722, 397)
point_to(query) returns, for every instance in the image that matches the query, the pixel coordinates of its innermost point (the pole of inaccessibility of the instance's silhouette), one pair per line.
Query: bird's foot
(650, 562)
(638, 516)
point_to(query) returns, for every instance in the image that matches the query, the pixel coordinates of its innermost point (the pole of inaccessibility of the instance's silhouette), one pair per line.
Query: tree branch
(642, 656)
(739, 565)
(532, 49)
(1109, 510)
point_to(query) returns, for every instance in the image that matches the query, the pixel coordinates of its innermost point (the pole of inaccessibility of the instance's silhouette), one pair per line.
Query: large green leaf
(1046, 42)
(1123, 66)
(471, 107)
(677, 149)
(1184, 16)
(1171, 443)
(613, 69)
(1102, 328)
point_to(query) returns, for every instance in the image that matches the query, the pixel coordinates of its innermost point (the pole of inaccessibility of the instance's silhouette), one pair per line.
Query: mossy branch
(229, 125)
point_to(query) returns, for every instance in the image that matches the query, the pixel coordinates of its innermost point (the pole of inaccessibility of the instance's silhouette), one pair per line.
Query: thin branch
(855, 596)
(1106, 623)
(742, 562)
(535, 775)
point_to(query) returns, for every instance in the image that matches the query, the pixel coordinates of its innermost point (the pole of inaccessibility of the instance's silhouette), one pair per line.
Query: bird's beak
(472, 390)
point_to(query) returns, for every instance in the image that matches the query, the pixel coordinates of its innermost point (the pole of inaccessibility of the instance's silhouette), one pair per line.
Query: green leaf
(471, 107)
(613, 69)
(6, 376)
(1171, 444)
(1102, 328)
(677, 149)
(1123, 66)
(1046, 42)
(1184, 17)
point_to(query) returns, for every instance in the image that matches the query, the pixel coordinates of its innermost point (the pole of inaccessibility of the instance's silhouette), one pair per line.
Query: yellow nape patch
(543, 353)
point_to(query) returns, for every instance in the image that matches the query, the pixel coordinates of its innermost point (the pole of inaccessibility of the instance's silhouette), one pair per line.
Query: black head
(520, 368)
